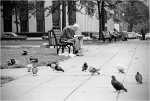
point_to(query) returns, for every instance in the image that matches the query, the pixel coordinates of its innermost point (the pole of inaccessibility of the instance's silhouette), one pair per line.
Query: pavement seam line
(92, 75)
(103, 51)
(127, 70)
(77, 88)
(41, 83)
(24, 76)
(114, 55)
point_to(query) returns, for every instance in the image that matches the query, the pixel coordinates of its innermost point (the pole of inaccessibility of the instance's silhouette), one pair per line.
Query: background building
(58, 20)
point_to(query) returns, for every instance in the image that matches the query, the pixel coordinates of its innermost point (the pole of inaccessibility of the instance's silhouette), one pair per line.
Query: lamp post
(123, 21)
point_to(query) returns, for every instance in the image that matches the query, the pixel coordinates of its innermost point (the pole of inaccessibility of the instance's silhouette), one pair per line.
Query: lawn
(44, 56)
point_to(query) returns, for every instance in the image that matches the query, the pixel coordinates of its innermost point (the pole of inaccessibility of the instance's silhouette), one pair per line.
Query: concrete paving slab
(136, 91)
(12, 92)
(56, 89)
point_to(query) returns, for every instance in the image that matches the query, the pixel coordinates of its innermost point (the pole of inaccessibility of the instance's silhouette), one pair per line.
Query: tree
(136, 13)
(19, 8)
(92, 7)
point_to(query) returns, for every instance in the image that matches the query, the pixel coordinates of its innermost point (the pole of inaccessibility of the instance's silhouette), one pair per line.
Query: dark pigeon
(58, 68)
(13, 61)
(24, 53)
(84, 67)
(117, 85)
(93, 70)
(138, 77)
(49, 64)
(33, 60)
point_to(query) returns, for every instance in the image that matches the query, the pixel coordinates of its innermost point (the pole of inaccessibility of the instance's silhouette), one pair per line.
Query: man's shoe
(76, 52)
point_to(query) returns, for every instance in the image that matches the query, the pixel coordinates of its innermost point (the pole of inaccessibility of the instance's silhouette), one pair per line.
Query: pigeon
(117, 85)
(120, 68)
(58, 68)
(29, 67)
(11, 62)
(33, 60)
(93, 70)
(138, 77)
(34, 70)
(24, 53)
(84, 67)
(52, 65)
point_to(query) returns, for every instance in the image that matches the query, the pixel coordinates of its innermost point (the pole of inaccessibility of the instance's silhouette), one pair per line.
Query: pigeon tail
(125, 89)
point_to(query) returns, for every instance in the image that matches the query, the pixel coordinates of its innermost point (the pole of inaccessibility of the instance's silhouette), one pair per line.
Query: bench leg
(63, 49)
(69, 49)
(58, 49)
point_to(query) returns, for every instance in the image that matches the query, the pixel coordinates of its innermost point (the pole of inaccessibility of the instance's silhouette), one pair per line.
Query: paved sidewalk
(75, 85)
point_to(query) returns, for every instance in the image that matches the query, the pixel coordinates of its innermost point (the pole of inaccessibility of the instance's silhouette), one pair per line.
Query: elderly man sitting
(68, 35)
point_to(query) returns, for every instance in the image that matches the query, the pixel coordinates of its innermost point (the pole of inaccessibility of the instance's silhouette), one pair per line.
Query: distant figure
(115, 34)
(143, 34)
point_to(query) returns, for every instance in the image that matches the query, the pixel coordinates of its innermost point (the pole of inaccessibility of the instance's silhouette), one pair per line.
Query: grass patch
(5, 79)
(44, 55)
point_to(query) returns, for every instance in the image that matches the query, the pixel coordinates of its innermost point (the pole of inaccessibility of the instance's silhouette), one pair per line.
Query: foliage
(20, 7)
(136, 13)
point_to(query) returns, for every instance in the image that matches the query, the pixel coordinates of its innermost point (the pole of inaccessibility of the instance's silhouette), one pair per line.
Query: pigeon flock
(115, 83)
(56, 67)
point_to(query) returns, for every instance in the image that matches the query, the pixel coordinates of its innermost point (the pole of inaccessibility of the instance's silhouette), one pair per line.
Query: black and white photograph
(74, 50)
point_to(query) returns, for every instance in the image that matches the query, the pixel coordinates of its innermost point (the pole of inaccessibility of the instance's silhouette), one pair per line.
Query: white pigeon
(120, 68)
(29, 67)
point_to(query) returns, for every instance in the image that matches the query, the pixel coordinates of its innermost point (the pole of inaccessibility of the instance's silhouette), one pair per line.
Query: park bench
(54, 40)
(106, 35)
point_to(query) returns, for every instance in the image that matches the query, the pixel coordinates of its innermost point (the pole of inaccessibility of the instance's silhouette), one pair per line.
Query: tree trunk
(16, 21)
(63, 14)
(100, 25)
(130, 27)
(102, 16)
